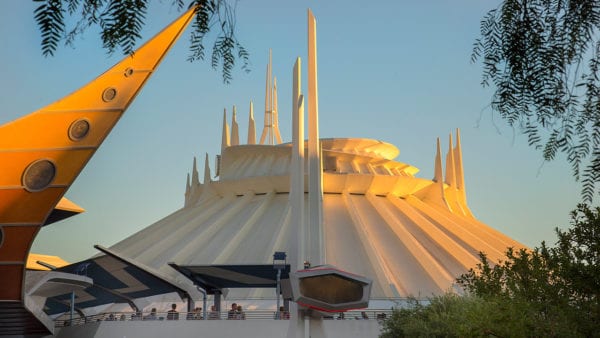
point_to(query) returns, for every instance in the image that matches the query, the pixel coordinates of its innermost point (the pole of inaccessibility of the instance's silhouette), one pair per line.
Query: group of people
(196, 314)
(236, 312)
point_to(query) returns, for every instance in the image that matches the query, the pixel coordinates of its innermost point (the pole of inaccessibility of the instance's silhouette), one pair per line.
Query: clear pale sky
(388, 70)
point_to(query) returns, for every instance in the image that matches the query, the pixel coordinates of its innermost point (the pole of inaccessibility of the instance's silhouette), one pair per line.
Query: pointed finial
(206, 170)
(187, 185)
(251, 126)
(438, 176)
(459, 171)
(188, 192)
(225, 137)
(195, 180)
(460, 176)
(450, 165)
(235, 136)
(267, 134)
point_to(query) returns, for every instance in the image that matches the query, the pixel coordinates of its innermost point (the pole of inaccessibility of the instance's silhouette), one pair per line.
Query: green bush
(544, 292)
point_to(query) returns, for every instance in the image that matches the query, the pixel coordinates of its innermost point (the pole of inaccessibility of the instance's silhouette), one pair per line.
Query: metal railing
(368, 314)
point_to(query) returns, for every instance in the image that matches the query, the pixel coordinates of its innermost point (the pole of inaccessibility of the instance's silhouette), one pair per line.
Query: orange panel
(33, 137)
(20, 206)
(17, 241)
(11, 282)
(68, 165)
(51, 130)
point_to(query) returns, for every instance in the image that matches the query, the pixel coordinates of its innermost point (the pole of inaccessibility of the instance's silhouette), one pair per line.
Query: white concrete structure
(367, 213)
(379, 219)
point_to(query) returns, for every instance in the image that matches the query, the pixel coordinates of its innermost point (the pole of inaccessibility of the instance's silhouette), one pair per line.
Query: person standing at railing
(239, 313)
(195, 315)
(152, 315)
(213, 314)
(282, 313)
(173, 314)
(231, 313)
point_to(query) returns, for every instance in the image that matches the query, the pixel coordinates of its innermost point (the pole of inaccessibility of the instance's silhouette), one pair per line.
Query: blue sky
(388, 70)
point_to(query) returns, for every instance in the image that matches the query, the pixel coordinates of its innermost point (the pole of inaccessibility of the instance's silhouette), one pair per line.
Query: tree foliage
(560, 284)
(543, 58)
(450, 315)
(544, 292)
(121, 23)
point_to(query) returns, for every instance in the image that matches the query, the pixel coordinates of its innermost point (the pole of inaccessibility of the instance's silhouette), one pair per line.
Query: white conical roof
(379, 220)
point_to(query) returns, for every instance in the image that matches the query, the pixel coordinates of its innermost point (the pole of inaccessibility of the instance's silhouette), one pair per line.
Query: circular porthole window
(79, 129)
(109, 94)
(38, 175)
(128, 72)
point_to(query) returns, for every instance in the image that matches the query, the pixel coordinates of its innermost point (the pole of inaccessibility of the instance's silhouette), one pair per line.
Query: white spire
(316, 251)
(437, 168)
(251, 126)
(297, 172)
(206, 170)
(275, 114)
(270, 133)
(186, 199)
(187, 185)
(460, 176)
(235, 136)
(195, 180)
(225, 135)
(435, 192)
(268, 121)
(450, 164)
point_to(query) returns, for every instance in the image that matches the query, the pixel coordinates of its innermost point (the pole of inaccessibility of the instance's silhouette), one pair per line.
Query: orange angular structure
(42, 154)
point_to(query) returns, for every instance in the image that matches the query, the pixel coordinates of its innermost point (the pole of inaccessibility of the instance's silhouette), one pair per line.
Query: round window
(79, 129)
(38, 175)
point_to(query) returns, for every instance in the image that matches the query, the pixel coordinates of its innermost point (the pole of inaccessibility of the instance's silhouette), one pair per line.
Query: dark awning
(115, 281)
(217, 277)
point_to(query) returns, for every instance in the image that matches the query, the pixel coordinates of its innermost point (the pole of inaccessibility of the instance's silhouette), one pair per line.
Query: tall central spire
(270, 134)
(315, 249)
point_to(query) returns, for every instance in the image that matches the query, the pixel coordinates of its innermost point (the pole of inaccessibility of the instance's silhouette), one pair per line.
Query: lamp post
(279, 263)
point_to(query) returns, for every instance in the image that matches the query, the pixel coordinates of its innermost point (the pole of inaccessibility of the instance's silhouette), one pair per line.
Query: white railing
(368, 314)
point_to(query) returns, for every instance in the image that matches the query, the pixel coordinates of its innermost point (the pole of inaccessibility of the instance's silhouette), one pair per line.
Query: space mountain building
(358, 209)
(328, 225)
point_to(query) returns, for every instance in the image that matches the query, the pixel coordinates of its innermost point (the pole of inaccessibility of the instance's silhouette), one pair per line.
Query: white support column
(296, 245)
(314, 230)
(296, 252)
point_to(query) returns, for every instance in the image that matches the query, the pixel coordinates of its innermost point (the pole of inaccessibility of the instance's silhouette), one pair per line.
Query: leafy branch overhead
(543, 58)
(121, 23)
